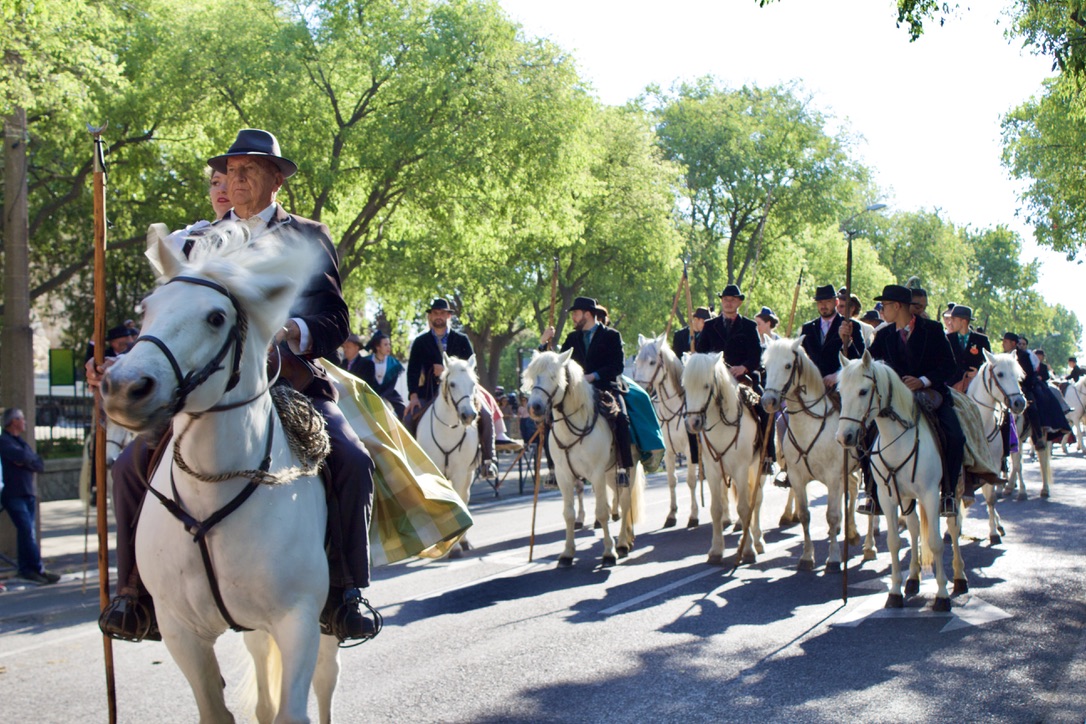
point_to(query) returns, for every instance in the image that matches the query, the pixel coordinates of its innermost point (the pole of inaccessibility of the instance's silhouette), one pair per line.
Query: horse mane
(809, 376)
(884, 376)
(456, 364)
(571, 387)
(702, 368)
(673, 366)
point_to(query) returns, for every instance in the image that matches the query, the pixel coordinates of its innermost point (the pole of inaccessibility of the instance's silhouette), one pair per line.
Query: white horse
(1042, 447)
(583, 448)
(1075, 397)
(200, 360)
(729, 431)
(907, 466)
(449, 433)
(996, 391)
(808, 446)
(660, 371)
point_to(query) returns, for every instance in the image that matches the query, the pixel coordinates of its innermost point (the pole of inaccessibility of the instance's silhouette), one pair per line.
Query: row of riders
(734, 368)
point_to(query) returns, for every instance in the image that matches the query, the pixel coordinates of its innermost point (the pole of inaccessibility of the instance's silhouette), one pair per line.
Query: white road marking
(90, 629)
(658, 591)
(966, 610)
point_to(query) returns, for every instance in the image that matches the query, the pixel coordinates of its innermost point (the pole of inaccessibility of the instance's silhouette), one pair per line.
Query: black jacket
(738, 341)
(603, 356)
(825, 352)
(425, 353)
(971, 357)
(680, 341)
(19, 465)
(387, 388)
(926, 354)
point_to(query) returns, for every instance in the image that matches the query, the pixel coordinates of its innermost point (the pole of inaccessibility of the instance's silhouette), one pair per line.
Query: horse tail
(927, 555)
(85, 473)
(637, 493)
(264, 653)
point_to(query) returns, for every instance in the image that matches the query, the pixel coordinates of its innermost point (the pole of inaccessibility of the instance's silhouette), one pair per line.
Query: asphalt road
(660, 637)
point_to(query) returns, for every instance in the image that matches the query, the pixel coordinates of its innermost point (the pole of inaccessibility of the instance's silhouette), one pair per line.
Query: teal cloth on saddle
(644, 425)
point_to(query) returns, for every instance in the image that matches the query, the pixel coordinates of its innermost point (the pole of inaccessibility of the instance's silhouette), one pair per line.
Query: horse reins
(579, 433)
(805, 408)
(446, 395)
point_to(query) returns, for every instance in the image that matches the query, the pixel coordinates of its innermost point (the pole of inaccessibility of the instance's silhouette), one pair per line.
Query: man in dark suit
(352, 355)
(968, 346)
(425, 365)
(736, 336)
(918, 350)
(680, 341)
(598, 350)
(827, 336)
(318, 325)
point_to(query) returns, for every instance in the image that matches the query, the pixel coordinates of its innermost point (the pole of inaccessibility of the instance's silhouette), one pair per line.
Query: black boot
(130, 617)
(343, 617)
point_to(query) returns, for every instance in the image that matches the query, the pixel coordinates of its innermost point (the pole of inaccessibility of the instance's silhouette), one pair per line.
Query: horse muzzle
(770, 401)
(1017, 404)
(848, 435)
(468, 417)
(695, 423)
(134, 400)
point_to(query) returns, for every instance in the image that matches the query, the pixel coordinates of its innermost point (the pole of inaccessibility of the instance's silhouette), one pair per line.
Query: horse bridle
(187, 383)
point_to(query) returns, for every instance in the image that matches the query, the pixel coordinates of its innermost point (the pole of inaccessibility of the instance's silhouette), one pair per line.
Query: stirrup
(948, 506)
(869, 506)
(488, 470)
(622, 478)
(781, 480)
(347, 622)
(126, 618)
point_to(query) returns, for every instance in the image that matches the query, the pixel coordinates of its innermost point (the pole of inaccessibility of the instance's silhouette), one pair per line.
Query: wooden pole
(795, 300)
(540, 431)
(99, 428)
(683, 282)
(700, 469)
(844, 463)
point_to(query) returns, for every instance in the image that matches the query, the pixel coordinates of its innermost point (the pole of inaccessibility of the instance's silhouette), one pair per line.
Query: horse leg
(260, 646)
(717, 501)
(918, 546)
(756, 514)
(871, 550)
(893, 544)
(1078, 432)
(195, 656)
(961, 585)
(298, 638)
(463, 489)
(850, 514)
(603, 516)
(579, 522)
(791, 510)
(692, 483)
(929, 524)
(834, 503)
(326, 676)
(728, 491)
(566, 486)
(625, 526)
(995, 524)
(672, 484)
(1044, 457)
(1016, 474)
(743, 505)
(798, 493)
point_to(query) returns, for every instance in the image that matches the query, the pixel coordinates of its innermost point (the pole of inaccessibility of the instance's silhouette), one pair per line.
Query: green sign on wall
(61, 367)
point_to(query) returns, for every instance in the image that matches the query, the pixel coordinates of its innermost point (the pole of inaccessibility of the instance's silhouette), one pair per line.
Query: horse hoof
(692, 523)
(465, 545)
(941, 604)
(870, 555)
(854, 539)
(614, 517)
(597, 525)
(833, 566)
(748, 558)
(622, 551)
(999, 528)
(805, 565)
(670, 522)
(960, 586)
(912, 587)
(715, 559)
(565, 561)
(895, 600)
(578, 525)
(455, 552)
(1022, 496)
(724, 525)
(738, 527)
(786, 522)
(1044, 493)
(995, 540)
(609, 561)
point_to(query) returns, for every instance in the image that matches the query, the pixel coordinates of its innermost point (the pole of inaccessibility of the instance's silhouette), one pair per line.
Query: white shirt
(379, 369)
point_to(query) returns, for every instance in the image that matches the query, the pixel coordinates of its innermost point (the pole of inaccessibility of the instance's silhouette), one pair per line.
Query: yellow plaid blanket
(416, 511)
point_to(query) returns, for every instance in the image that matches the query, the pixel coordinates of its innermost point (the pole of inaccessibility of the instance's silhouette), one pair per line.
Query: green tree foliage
(759, 168)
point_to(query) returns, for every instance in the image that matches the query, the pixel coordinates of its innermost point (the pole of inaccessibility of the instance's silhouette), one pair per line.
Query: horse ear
(564, 357)
(844, 360)
(163, 258)
(719, 359)
(641, 340)
(535, 353)
(686, 356)
(798, 342)
(867, 358)
(661, 340)
(471, 362)
(988, 357)
(444, 358)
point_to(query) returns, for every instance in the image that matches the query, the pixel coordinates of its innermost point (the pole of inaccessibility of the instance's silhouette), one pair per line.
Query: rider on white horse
(681, 343)
(968, 346)
(424, 368)
(318, 325)
(598, 350)
(918, 350)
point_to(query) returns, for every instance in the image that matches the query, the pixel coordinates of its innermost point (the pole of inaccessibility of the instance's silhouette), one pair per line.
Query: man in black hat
(918, 350)
(850, 309)
(120, 338)
(381, 371)
(424, 367)
(736, 336)
(352, 355)
(968, 346)
(827, 336)
(598, 350)
(680, 341)
(318, 325)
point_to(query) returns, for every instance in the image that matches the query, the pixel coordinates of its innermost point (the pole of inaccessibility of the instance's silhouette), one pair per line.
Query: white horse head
(655, 363)
(789, 371)
(206, 329)
(1000, 378)
(458, 383)
(551, 379)
(706, 381)
(869, 388)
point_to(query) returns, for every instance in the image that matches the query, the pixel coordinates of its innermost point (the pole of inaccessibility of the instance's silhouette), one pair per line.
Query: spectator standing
(19, 496)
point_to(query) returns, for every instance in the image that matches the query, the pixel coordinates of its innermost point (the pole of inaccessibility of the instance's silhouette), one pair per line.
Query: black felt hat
(255, 142)
(120, 332)
(584, 304)
(702, 313)
(440, 304)
(732, 290)
(895, 293)
(824, 292)
(960, 311)
(1011, 337)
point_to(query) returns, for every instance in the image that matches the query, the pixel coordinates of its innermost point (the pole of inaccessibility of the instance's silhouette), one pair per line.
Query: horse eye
(452, 385)
(863, 393)
(216, 319)
(788, 366)
(999, 374)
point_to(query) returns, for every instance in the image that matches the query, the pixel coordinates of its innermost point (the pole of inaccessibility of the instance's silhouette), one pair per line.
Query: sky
(928, 111)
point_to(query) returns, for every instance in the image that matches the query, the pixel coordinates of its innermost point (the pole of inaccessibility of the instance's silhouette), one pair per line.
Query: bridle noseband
(187, 383)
